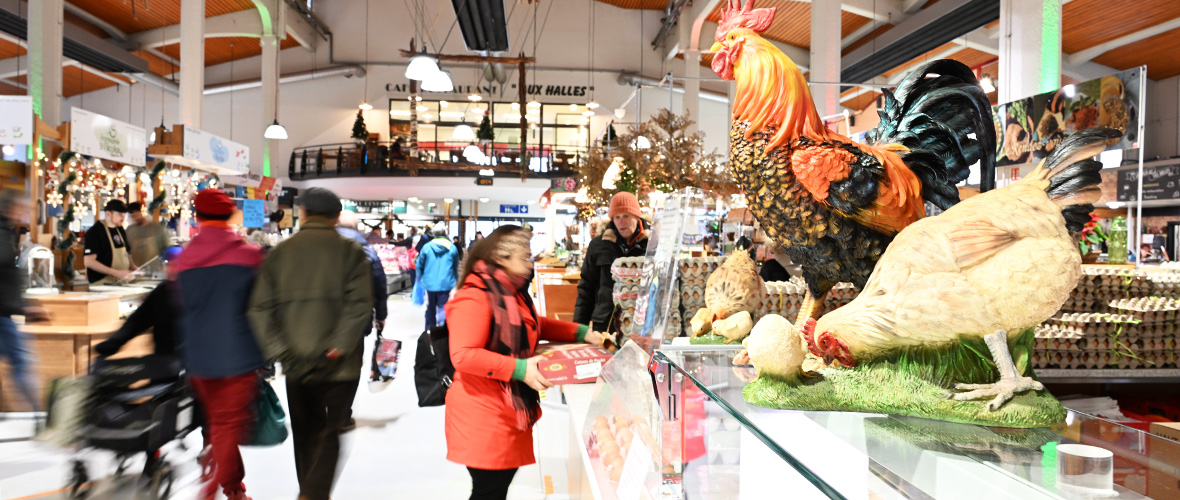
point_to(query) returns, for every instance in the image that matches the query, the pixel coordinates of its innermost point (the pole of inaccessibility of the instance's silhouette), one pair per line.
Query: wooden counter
(63, 346)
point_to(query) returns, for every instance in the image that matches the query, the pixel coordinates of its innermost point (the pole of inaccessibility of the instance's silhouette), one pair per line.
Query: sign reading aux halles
(510, 90)
(213, 150)
(16, 120)
(92, 134)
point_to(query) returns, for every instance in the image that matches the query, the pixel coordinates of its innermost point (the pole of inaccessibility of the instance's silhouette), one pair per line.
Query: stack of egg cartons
(841, 295)
(628, 273)
(694, 276)
(1116, 319)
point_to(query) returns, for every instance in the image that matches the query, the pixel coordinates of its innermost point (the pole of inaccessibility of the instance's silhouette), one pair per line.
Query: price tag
(589, 370)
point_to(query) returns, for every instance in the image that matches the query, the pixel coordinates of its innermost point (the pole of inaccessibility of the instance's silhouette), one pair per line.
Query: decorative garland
(67, 238)
(158, 200)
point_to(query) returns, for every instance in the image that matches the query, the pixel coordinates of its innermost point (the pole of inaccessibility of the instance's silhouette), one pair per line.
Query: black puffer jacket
(595, 304)
(10, 276)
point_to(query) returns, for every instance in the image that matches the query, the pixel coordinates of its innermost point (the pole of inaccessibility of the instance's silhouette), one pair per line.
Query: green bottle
(1117, 242)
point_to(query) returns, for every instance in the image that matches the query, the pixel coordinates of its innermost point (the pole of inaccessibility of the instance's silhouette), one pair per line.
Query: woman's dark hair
(499, 244)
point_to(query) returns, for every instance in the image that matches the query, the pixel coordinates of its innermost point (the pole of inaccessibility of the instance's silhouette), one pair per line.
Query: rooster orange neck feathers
(771, 91)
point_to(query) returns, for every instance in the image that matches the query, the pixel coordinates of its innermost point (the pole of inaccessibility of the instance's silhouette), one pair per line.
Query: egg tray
(1122, 317)
(1094, 330)
(627, 268)
(1102, 344)
(1103, 360)
(699, 268)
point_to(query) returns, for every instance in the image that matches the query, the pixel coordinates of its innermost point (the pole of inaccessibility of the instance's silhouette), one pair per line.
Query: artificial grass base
(711, 339)
(882, 388)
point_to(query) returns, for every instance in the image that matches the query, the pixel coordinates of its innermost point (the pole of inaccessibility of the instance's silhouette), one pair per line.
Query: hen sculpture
(991, 267)
(831, 203)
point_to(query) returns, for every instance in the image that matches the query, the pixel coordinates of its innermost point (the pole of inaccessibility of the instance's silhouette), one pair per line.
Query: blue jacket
(438, 265)
(215, 275)
(380, 290)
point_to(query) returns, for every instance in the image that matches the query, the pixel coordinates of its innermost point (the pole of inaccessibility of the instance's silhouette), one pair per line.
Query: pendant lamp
(421, 67)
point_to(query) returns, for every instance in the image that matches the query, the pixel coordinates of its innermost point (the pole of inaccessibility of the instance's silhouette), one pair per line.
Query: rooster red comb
(737, 16)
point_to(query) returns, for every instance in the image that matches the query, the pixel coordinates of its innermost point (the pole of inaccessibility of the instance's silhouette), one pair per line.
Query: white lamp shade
(471, 150)
(275, 131)
(438, 82)
(642, 142)
(463, 133)
(421, 67)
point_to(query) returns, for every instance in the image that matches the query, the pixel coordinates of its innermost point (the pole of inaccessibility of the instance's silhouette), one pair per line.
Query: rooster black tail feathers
(945, 120)
(1074, 175)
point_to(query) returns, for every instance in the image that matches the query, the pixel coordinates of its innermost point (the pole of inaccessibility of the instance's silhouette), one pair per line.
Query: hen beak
(716, 47)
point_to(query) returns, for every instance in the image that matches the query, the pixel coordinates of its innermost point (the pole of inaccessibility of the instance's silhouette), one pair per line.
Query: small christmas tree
(359, 132)
(627, 181)
(485, 132)
(610, 135)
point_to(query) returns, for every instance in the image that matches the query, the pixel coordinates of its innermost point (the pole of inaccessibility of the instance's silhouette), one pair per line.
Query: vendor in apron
(107, 259)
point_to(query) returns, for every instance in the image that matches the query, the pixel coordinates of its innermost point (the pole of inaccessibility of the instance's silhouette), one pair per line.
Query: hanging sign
(253, 213)
(483, 181)
(1159, 183)
(514, 209)
(209, 150)
(92, 134)
(1029, 129)
(16, 120)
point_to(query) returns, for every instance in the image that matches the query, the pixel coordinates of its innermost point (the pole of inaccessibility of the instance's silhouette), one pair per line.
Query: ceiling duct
(483, 24)
(80, 46)
(925, 31)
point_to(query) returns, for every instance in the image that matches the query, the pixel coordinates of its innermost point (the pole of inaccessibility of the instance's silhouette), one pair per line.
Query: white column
(825, 55)
(270, 95)
(1030, 48)
(192, 61)
(45, 59)
(692, 71)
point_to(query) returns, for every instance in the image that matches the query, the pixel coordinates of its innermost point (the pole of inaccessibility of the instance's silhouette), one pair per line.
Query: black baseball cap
(115, 206)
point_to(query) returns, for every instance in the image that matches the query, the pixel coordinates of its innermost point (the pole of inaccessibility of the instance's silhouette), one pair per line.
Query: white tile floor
(397, 451)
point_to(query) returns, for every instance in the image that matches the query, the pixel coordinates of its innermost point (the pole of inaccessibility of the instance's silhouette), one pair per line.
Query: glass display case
(715, 446)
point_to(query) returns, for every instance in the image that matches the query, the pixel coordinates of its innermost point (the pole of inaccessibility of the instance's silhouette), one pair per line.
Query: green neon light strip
(1050, 45)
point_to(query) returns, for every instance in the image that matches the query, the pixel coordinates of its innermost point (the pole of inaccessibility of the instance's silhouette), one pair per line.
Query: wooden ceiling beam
(1102, 48)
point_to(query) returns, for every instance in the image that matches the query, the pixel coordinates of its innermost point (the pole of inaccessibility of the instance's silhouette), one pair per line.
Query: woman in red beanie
(625, 236)
(214, 276)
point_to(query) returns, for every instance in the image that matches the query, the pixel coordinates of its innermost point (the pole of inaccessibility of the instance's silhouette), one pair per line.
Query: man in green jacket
(311, 301)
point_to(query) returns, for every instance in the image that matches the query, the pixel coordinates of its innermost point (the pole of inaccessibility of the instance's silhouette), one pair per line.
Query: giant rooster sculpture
(950, 290)
(834, 204)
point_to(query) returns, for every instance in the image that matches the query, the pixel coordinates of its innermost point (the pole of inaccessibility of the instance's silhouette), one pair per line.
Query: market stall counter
(708, 443)
(63, 346)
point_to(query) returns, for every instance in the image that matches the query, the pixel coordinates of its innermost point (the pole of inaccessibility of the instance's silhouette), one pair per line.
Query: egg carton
(1103, 360)
(699, 268)
(1105, 344)
(627, 268)
(1124, 330)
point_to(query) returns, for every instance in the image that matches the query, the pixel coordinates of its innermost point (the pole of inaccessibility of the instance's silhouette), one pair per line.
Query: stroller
(127, 418)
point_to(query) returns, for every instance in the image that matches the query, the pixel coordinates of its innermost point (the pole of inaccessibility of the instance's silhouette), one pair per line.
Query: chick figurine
(775, 348)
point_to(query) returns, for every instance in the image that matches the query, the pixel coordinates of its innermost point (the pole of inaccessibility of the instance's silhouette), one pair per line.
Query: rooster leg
(1010, 382)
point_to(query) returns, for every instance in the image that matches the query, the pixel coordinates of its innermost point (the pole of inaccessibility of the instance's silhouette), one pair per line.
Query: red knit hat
(624, 203)
(214, 203)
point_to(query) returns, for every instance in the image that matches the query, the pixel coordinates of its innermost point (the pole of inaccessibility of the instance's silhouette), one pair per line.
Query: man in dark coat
(625, 236)
(348, 228)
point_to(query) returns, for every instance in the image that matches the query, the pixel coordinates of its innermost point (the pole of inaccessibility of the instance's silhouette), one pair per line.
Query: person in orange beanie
(625, 236)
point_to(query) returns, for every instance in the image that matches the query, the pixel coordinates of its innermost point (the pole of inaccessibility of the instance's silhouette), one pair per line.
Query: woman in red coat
(494, 401)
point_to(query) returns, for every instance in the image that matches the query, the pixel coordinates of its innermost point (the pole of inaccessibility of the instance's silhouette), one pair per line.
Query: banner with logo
(210, 149)
(92, 134)
(16, 120)
(1029, 129)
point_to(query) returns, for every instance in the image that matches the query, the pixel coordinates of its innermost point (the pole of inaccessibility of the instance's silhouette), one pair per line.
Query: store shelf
(1150, 375)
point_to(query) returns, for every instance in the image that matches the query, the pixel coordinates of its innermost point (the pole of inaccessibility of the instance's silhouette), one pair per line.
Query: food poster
(1029, 129)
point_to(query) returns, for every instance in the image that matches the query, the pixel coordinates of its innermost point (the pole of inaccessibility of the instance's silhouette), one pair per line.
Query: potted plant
(1091, 243)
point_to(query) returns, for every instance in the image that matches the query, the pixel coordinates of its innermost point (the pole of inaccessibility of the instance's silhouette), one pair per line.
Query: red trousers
(229, 417)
